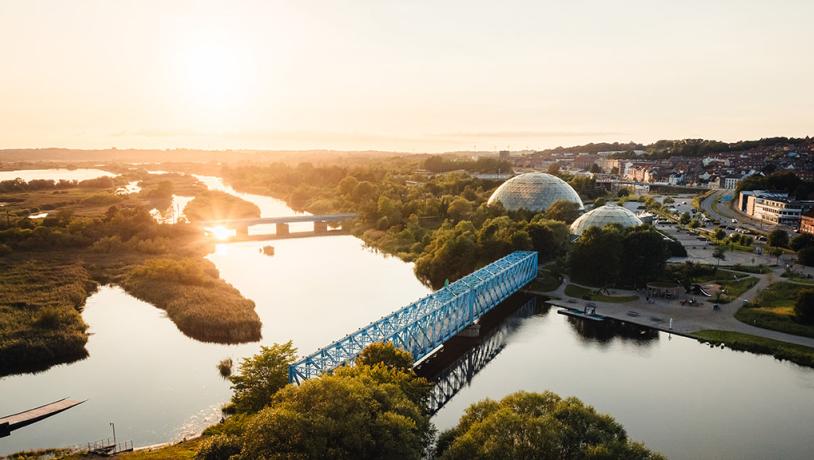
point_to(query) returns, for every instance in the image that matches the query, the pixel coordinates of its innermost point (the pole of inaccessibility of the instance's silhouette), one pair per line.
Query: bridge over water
(427, 323)
(321, 223)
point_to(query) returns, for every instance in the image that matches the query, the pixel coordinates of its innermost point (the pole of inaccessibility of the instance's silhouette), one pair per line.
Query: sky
(410, 75)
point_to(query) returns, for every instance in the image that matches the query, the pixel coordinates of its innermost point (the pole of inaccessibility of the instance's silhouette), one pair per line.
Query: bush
(802, 241)
(805, 256)
(218, 447)
(804, 308)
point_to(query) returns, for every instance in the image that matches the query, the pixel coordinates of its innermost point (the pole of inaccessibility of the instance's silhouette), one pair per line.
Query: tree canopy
(538, 426)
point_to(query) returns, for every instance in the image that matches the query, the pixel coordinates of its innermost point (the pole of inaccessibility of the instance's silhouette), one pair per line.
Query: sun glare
(220, 233)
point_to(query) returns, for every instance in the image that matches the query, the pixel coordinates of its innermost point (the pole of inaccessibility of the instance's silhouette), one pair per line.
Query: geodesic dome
(604, 215)
(534, 191)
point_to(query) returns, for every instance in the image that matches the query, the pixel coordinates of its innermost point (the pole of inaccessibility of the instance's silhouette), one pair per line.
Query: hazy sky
(401, 75)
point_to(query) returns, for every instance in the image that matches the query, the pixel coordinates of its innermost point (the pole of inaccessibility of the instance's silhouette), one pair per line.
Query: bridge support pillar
(320, 227)
(472, 331)
(282, 229)
(242, 230)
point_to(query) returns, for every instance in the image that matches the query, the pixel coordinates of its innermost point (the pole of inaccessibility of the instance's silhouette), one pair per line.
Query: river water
(678, 396)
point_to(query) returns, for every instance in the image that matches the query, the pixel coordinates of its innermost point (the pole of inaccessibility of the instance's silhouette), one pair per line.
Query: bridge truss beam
(430, 321)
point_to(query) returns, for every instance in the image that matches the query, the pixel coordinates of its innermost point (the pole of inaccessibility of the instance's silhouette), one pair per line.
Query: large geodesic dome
(604, 215)
(534, 191)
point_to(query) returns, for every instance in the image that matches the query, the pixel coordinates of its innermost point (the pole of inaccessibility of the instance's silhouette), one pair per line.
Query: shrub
(218, 447)
(804, 308)
(805, 256)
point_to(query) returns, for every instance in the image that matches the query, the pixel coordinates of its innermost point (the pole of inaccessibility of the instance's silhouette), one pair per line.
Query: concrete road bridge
(321, 225)
(424, 325)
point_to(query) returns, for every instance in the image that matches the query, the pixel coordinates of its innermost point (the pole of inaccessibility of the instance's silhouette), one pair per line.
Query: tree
(595, 258)
(720, 254)
(776, 252)
(805, 256)
(539, 426)
(595, 168)
(563, 210)
(554, 168)
(459, 209)
(261, 376)
(804, 307)
(685, 218)
(801, 241)
(600, 202)
(387, 354)
(356, 412)
(548, 237)
(623, 192)
(719, 234)
(644, 255)
(778, 238)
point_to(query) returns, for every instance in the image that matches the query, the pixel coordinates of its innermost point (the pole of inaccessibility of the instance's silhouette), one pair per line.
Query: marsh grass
(40, 313)
(202, 305)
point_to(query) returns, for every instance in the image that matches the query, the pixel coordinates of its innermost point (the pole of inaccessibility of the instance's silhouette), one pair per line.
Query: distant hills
(658, 149)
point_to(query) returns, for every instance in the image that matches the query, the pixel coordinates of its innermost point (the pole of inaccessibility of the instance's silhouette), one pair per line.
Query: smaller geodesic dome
(604, 215)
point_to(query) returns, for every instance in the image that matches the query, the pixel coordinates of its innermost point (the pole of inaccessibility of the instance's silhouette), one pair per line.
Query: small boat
(268, 250)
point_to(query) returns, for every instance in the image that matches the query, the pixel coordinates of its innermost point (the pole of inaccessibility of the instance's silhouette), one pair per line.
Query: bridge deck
(281, 220)
(21, 419)
(427, 323)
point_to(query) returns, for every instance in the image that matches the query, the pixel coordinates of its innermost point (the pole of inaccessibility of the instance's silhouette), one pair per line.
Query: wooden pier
(12, 422)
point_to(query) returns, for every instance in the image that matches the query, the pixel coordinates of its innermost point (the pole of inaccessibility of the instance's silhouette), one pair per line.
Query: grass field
(774, 309)
(798, 354)
(589, 294)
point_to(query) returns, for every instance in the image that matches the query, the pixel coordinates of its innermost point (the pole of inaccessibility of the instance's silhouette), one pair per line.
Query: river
(678, 396)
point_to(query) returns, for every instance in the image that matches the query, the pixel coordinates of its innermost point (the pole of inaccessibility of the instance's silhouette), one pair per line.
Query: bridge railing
(432, 320)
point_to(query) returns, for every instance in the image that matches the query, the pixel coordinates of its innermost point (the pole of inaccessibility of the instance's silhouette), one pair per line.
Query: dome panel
(534, 191)
(604, 215)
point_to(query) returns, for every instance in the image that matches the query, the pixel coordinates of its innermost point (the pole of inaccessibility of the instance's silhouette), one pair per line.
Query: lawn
(590, 294)
(546, 282)
(774, 309)
(798, 354)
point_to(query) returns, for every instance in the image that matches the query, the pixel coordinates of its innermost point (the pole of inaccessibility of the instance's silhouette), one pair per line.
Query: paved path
(687, 319)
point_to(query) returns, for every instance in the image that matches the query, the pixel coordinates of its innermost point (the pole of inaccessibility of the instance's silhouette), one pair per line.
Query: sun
(214, 74)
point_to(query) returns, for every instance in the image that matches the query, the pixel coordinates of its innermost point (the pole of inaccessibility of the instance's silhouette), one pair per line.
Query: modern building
(807, 223)
(534, 192)
(604, 215)
(504, 155)
(773, 207)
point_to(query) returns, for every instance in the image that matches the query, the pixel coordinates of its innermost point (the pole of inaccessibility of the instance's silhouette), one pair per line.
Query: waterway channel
(678, 396)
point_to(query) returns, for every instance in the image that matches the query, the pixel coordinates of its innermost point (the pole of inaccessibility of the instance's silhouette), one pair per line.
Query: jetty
(12, 422)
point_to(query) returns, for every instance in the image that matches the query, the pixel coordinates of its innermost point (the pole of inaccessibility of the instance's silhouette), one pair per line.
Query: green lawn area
(546, 282)
(582, 292)
(798, 354)
(799, 279)
(734, 284)
(774, 309)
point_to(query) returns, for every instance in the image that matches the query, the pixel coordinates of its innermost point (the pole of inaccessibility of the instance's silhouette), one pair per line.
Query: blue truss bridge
(427, 323)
